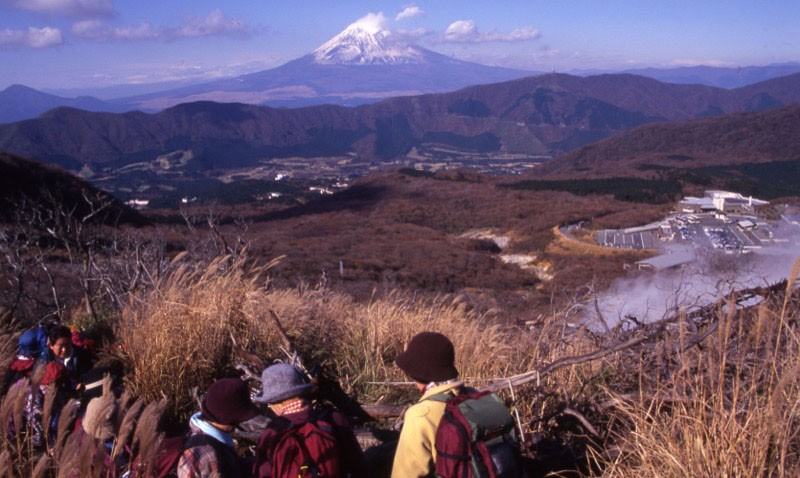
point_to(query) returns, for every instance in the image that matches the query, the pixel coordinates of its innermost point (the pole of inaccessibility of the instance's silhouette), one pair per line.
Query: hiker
(440, 437)
(29, 349)
(209, 451)
(304, 439)
(54, 374)
(429, 360)
(77, 360)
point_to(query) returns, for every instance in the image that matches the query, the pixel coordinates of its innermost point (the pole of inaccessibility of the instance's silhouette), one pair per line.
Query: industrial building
(720, 201)
(667, 261)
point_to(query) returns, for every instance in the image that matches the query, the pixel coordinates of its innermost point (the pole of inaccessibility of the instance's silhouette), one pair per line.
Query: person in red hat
(429, 360)
(209, 451)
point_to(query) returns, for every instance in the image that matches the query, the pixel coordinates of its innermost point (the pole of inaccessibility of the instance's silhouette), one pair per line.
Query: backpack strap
(444, 397)
(440, 397)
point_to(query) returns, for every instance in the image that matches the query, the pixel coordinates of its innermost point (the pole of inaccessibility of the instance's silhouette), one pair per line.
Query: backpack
(307, 450)
(167, 457)
(169, 453)
(476, 438)
(171, 450)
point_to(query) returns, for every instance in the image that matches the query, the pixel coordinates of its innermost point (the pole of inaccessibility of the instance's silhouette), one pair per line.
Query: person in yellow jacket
(429, 360)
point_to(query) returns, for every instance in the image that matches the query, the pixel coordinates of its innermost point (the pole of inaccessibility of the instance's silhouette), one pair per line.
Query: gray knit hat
(281, 382)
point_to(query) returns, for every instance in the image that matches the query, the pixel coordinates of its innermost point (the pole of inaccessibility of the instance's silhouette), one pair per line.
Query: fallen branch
(600, 317)
(700, 337)
(629, 397)
(384, 411)
(527, 377)
(579, 416)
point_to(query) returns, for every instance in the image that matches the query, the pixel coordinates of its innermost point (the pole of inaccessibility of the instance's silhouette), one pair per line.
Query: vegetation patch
(767, 180)
(469, 107)
(652, 191)
(482, 143)
(678, 157)
(416, 173)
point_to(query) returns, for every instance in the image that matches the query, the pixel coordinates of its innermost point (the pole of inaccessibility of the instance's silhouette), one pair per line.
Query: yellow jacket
(416, 453)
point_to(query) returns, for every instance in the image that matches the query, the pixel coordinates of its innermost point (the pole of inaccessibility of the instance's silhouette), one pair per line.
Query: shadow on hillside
(355, 198)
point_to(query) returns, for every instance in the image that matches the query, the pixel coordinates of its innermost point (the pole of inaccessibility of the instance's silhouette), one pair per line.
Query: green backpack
(476, 437)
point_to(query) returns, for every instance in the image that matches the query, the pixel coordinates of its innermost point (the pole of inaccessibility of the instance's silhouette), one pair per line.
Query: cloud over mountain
(213, 24)
(466, 31)
(409, 12)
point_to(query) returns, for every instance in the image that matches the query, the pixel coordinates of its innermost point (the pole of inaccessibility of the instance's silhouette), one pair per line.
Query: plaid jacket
(199, 462)
(203, 460)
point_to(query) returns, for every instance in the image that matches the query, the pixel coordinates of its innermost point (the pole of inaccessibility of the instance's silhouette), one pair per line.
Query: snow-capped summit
(366, 62)
(367, 42)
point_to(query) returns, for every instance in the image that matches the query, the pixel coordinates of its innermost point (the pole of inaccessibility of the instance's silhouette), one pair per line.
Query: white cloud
(466, 31)
(214, 24)
(32, 37)
(43, 37)
(371, 23)
(461, 31)
(75, 8)
(408, 12)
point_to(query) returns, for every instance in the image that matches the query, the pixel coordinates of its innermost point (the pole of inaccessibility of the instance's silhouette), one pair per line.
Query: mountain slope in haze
(23, 180)
(721, 77)
(546, 114)
(18, 102)
(734, 139)
(362, 64)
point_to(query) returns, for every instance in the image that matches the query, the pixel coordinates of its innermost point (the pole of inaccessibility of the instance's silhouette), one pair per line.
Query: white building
(721, 201)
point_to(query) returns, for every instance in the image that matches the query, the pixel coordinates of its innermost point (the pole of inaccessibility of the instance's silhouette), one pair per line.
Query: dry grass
(182, 335)
(728, 408)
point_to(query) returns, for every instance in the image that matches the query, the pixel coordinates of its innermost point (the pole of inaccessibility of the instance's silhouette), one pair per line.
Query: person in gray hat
(287, 392)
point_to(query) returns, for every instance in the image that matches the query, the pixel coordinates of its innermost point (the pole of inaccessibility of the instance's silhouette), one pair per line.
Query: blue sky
(95, 43)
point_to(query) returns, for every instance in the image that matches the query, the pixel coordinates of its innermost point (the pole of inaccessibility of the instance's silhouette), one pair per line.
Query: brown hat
(429, 357)
(227, 402)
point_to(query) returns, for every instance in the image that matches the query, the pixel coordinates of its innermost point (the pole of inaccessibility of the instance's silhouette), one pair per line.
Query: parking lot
(622, 240)
(702, 231)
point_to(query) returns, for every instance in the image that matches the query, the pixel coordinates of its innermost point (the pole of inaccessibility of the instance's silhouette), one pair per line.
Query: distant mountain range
(19, 102)
(363, 64)
(540, 115)
(723, 77)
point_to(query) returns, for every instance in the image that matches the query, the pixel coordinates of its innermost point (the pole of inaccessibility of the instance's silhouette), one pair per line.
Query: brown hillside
(27, 181)
(546, 114)
(742, 138)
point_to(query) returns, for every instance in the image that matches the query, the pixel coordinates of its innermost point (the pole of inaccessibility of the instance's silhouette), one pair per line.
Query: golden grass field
(726, 406)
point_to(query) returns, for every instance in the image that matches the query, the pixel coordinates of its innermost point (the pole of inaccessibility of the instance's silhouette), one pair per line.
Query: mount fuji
(363, 64)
